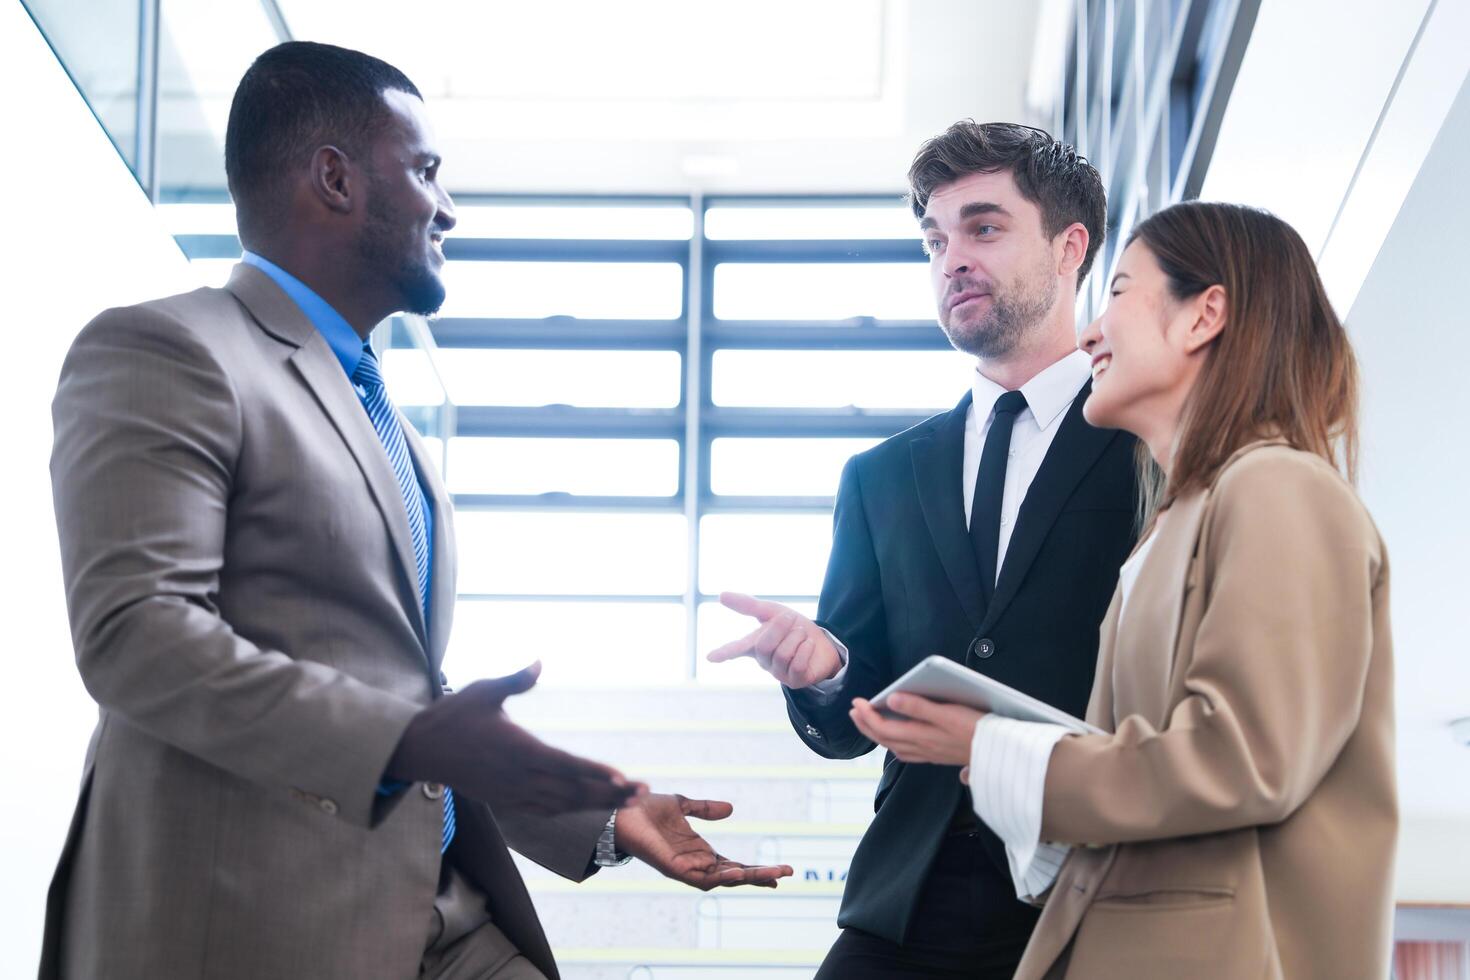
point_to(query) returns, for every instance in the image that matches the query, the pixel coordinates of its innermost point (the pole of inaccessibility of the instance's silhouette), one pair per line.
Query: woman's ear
(1210, 308)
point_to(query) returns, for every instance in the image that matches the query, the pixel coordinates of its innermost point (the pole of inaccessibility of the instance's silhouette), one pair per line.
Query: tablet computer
(941, 679)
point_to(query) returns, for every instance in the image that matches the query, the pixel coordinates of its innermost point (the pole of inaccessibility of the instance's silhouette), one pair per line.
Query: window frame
(696, 335)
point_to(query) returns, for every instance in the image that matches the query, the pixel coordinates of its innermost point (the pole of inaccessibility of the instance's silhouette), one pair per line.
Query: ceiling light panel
(590, 50)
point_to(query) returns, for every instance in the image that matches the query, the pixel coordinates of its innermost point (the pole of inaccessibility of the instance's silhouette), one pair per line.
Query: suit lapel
(442, 572)
(1149, 631)
(313, 359)
(321, 370)
(939, 460)
(1075, 449)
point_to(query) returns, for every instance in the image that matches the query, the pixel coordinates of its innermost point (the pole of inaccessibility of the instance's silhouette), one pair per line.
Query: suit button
(813, 732)
(434, 791)
(329, 807)
(983, 647)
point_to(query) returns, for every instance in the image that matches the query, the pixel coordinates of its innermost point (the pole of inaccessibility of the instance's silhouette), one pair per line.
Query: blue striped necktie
(369, 382)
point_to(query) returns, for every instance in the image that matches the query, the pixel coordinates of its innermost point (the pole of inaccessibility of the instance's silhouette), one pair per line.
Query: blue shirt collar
(344, 341)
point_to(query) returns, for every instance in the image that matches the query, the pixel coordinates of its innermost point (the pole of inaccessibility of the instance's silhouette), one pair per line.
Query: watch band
(607, 854)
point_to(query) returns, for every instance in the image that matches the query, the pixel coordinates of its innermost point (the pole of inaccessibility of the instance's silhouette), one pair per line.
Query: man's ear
(1210, 308)
(334, 179)
(1070, 245)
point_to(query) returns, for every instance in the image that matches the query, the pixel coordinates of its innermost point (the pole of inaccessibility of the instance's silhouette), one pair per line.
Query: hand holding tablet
(941, 679)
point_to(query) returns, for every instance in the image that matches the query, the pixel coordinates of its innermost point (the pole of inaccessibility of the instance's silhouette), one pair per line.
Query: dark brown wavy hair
(1050, 174)
(1281, 368)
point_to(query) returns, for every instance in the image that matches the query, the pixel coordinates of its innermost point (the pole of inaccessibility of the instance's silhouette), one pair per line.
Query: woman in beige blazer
(1238, 818)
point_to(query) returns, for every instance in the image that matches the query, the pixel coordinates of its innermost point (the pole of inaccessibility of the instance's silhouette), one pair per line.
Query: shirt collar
(337, 332)
(1047, 394)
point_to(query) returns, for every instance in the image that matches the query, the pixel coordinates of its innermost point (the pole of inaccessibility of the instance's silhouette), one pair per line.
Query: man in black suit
(1011, 221)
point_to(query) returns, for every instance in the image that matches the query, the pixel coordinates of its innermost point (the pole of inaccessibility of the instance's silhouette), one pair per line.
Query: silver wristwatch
(607, 854)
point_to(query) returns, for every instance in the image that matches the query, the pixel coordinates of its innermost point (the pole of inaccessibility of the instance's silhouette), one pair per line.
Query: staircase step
(854, 769)
(722, 920)
(679, 972)
(780, 800)
(675, 964)
(628, 749)
(621, 883)
(680, 702)
(661, 971)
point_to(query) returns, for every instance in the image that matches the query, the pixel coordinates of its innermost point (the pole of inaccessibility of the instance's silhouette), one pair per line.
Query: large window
(1141, 94)
(640, 403)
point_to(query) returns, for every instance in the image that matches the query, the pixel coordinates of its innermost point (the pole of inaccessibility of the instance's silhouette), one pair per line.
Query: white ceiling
(662, 96)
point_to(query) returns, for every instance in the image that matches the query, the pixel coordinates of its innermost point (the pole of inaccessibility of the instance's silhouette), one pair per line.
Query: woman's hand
(928, 732)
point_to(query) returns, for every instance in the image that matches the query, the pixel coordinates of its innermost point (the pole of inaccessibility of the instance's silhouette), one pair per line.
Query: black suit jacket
(903, 584)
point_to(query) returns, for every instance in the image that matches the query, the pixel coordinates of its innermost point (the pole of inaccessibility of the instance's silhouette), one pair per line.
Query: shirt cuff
(833, 684)
(1008, 762)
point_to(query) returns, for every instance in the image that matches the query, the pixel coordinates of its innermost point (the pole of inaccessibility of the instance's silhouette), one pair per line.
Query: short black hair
(294, 98)
(1049, 174)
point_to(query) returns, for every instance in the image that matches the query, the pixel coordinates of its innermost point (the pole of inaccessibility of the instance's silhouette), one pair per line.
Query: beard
(1014, 313)
(383, 248)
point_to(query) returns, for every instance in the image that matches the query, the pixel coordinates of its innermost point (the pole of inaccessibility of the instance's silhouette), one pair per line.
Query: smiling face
(1147, 348)
(993, 269)
(401, 239)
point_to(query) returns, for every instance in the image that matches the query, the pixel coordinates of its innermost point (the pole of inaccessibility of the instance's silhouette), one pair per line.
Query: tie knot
(1010, 403)
(367, 373)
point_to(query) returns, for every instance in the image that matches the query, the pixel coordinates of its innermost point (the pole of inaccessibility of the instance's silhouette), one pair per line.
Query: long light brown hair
(1281, 368)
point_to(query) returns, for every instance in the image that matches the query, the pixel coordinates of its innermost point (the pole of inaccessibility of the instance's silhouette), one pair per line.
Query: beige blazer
(239, 578)
(1242, 816)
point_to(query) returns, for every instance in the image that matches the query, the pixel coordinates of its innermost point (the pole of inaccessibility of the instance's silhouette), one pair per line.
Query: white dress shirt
(1008, 763)
(1048, 396)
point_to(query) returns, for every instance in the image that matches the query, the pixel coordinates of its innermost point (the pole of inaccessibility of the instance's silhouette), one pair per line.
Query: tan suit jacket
(1242, 815)
(240, 583)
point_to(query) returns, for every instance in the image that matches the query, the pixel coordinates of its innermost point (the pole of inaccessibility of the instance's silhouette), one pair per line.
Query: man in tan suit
(259, 562)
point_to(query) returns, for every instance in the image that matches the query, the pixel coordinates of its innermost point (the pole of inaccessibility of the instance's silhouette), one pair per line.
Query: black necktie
(990, 485)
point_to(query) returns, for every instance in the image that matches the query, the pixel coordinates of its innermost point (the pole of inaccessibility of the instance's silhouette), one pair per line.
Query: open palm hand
(656, 830)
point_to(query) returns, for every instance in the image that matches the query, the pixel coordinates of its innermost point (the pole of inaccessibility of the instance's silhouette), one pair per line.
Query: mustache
(958, 286)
